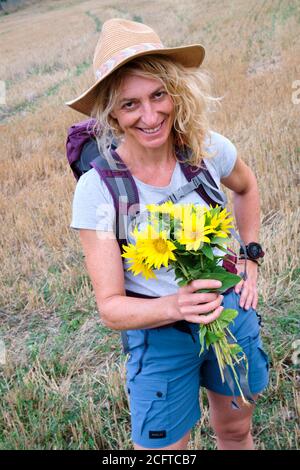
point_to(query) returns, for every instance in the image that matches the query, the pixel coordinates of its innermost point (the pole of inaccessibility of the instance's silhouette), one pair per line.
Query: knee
(233, 431)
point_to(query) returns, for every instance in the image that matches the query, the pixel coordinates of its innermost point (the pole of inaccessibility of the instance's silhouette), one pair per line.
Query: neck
(138, 157)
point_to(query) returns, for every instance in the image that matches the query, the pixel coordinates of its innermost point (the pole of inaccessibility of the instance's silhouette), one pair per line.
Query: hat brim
(188, 56)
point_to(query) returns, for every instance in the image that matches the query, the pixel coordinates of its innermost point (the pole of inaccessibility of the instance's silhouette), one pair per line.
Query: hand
(248, 288)
(192, 306)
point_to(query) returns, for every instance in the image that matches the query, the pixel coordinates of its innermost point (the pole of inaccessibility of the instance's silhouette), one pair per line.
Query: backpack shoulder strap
(210, 192)
(204, 183)
(122, 188)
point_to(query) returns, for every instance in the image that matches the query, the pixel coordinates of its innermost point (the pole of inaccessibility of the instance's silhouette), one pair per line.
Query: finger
(244, 295)
(201, 308)
(205, 319)
(195, 299)
(246, 299)
(239, 287)
(251, 300)
(203, 284)
(255, 300)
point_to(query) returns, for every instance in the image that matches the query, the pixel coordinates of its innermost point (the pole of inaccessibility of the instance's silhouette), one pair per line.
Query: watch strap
(259, 263)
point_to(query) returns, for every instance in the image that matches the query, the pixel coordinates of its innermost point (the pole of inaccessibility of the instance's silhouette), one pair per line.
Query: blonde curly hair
(190, 90)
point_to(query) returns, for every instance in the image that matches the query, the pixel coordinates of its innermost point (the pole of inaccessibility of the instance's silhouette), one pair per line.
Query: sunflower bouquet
(185, 237)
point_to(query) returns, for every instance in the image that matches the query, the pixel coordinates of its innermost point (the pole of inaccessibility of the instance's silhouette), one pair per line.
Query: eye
(128, 105)
(160, 94)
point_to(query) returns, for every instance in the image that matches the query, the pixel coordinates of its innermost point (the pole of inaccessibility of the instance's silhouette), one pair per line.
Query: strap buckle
(177, 195)
(196, 180)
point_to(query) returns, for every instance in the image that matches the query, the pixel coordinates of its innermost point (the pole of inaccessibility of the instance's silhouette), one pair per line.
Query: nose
(150, 117)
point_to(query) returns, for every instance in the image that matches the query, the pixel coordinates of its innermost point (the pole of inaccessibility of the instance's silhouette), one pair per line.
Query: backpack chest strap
(198, 183)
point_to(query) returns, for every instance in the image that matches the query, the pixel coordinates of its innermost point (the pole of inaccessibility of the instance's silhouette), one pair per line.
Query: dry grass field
(61, 379)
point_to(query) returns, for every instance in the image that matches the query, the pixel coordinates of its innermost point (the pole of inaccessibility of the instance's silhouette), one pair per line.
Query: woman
(154, 100)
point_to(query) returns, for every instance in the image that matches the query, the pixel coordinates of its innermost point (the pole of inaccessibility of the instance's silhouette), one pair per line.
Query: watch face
(254, 250)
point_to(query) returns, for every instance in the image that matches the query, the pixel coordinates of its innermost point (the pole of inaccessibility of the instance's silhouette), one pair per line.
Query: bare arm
(104, 265)
(242, 182)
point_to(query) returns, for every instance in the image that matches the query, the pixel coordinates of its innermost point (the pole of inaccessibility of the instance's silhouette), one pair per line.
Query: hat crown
(120, 42)
(119, 34)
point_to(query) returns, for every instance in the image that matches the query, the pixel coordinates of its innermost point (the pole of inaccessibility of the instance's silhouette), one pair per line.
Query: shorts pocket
(258, 367)
(148, 406)
(265, 357)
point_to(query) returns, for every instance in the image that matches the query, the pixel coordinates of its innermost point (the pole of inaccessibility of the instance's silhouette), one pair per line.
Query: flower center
(160, 245)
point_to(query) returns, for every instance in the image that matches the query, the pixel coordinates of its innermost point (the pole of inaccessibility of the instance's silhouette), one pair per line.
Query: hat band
(107, 66)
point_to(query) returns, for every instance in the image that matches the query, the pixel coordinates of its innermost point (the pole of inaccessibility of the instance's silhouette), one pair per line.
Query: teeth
(151, 131)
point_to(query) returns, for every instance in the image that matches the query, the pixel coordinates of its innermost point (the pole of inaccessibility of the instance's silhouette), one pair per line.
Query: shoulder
(93, 206)
(91, 177)
(216, 142)
(222, 153)
(90, 184)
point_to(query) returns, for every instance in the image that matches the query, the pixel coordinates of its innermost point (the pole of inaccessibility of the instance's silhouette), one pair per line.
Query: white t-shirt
(93, 208)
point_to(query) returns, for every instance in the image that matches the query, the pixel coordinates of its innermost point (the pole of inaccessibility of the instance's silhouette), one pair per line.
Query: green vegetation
(68, 391)
(62, 382)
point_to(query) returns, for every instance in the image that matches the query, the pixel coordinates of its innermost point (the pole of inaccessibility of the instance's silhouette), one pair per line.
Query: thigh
(163, 389)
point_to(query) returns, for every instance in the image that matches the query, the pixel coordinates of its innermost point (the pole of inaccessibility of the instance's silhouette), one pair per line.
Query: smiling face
(144, 111)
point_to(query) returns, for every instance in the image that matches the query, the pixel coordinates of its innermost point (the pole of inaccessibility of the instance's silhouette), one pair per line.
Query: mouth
(153, 131)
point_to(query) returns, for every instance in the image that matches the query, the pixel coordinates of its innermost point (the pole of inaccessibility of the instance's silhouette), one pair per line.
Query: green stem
(201, 261)
(228, 331)
(224, 356)
(186, 274)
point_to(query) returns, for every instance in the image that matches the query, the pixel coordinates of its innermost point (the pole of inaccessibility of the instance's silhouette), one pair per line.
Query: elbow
(105, 318)
(108, 314)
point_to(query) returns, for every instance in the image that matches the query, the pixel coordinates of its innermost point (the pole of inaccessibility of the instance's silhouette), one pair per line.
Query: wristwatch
(254, 251)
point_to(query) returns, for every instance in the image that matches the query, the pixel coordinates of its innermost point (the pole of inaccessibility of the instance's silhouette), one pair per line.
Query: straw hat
(121, 41)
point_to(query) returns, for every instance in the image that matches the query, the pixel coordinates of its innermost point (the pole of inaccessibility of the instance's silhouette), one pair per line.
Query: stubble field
(61, 370)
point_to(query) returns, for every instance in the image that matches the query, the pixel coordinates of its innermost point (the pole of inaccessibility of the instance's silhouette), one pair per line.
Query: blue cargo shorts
(164, 374)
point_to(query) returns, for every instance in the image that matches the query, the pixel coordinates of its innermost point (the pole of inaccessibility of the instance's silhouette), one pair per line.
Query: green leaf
(207, 250)
(190, 260)
(229, 314)
(235, 349)
(226, 317)
(228, 279)
(222, 248)
(220, 334)
(211, 338)
(220, 240)
(182, 282)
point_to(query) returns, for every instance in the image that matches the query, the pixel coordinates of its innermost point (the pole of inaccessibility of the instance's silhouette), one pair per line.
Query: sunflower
(141, 268)
(219, 222)
(154, 247)
(194, 228)
(165, 208)
(139, 265)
